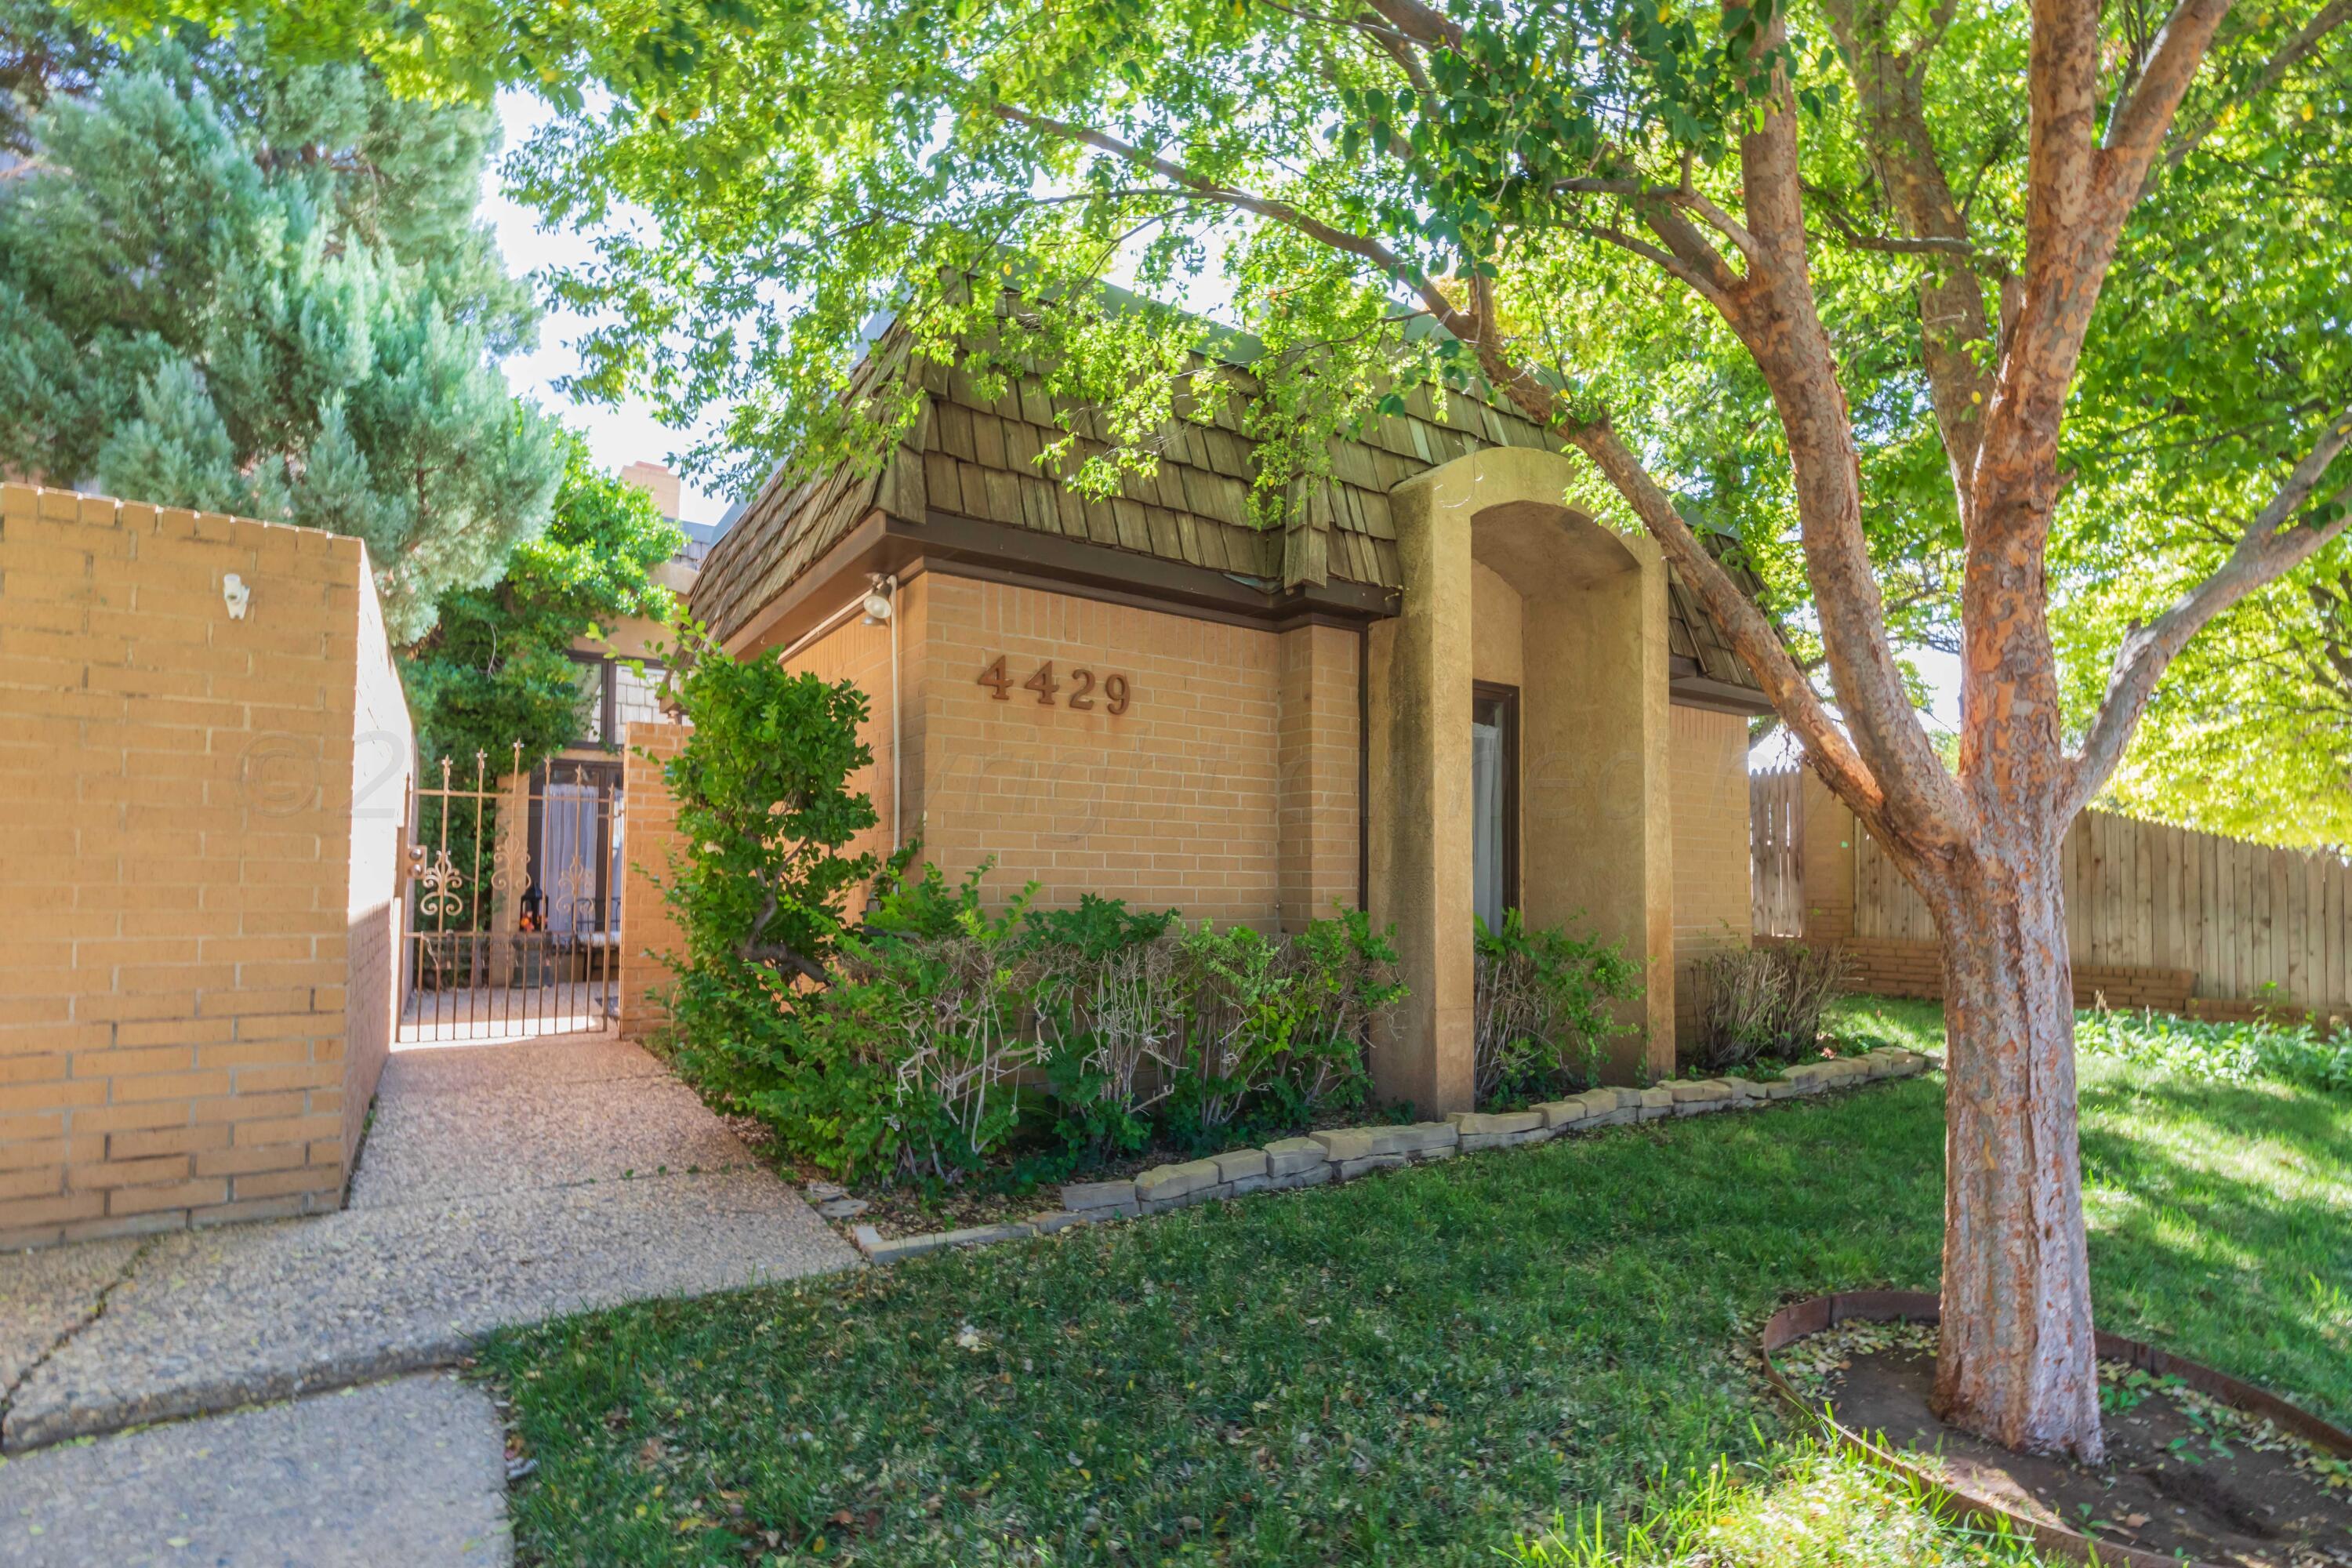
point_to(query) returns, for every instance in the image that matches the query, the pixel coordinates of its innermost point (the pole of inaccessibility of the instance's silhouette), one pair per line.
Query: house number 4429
(1112, 695)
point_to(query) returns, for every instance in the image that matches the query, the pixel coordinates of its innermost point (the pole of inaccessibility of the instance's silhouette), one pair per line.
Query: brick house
(1436, 691)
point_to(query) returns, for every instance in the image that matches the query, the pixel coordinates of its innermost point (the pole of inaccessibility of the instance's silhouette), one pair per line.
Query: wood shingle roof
(975, 457)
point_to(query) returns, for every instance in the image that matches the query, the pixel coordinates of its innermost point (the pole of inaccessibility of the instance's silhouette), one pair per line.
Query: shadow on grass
(1413, 1367)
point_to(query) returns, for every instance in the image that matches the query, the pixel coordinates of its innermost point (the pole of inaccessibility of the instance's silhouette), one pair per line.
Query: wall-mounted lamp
(877, 607)
(235, 596)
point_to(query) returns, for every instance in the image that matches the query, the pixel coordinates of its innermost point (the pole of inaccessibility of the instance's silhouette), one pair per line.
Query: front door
(1493, 802)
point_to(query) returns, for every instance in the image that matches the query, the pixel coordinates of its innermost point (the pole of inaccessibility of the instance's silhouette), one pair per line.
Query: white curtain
(567, 838)
(1486, 823)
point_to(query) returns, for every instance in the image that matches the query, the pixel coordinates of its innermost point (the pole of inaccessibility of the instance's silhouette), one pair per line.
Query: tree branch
(2274, 71)
(1903, 150)
(1744, 624)
(1416, 21)
(2272, 545)
(1433, 299)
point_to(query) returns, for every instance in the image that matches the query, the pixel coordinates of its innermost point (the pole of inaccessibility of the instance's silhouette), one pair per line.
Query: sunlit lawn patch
(1424, 1367)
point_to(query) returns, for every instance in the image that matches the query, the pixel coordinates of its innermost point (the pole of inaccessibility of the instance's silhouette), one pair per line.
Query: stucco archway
(1592, 825)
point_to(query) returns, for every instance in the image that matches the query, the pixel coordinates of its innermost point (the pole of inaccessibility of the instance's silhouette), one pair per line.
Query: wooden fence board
(2248, 920)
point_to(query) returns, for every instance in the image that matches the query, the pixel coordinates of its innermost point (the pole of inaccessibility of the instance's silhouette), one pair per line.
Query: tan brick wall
(1174, 803)
(1320, 739)
(1707, 769)
(176, 796)
(383, 763)
(860, 654)
(648, 929)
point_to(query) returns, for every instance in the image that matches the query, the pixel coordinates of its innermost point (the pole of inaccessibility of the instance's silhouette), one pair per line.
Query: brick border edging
(1344, 1154)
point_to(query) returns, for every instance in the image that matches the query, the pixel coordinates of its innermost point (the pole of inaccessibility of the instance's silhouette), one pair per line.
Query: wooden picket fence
(1775, 844)
(2251, 921)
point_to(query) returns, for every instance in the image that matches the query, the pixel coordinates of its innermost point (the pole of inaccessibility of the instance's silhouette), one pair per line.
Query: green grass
(1890, 1020)
(1431, 1367)
(1810, 1506)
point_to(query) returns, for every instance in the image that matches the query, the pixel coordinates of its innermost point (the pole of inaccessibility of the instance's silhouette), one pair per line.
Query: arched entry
(1499, 572)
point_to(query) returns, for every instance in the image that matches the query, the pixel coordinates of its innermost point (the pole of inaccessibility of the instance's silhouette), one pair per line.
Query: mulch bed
(2186, 1474)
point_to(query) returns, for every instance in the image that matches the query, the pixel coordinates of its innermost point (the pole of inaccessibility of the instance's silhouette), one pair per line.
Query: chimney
(657, 481)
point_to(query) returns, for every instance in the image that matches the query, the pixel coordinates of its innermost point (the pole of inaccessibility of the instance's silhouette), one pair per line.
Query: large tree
(1839, 267)
(497, 668)
(231, 281)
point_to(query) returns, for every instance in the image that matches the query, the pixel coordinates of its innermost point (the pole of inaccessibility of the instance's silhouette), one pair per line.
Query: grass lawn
(1428, 1368)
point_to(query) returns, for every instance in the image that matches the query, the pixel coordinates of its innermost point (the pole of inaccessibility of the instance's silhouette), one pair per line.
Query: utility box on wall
(204, 761)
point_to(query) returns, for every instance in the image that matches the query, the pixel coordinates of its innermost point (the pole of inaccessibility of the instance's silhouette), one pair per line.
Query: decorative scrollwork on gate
(443, 883)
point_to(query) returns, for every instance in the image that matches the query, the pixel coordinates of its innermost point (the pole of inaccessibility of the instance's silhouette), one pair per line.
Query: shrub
(1540, 1013)
(1344, 982)
(1277, 1029)
(911, 1046)
(1759, 1002)
(1238, 1021)
(763, 811)
(1109, 1017)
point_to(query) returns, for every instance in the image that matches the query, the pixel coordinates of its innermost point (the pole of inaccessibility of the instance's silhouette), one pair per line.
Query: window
(593, 675)
(613, 696)
(1493, 802)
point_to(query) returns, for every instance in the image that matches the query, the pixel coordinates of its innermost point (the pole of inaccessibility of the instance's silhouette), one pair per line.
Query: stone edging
(1343, 1154)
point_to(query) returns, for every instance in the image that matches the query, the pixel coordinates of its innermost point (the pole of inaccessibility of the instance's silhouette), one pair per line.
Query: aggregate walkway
(407, 1474)
(498, 1184)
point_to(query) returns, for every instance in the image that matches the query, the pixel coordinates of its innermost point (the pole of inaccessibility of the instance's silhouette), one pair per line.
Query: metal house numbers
(1109, 694)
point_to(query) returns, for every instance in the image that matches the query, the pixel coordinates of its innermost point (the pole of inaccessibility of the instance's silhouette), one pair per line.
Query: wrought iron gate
(511, 920)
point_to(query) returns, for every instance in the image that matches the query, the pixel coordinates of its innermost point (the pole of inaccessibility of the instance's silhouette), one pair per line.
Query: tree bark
(2017, 1362)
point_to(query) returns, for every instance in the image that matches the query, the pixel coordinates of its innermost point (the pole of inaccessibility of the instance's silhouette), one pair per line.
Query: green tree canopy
(2042, 304)
(231, 281)
(496, 668)
(1317, 168)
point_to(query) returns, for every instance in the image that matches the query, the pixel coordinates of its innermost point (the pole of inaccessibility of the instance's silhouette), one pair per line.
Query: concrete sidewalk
(499, 1184)
(407, 1474)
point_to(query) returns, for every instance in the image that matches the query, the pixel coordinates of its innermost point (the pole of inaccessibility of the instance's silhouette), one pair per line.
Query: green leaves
(497, 668)
(231, 280)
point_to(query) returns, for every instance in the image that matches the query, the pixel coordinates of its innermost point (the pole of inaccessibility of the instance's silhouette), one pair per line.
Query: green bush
(1109, 1017)
(943, 1016)
(763, 812)
(1343, 982)
(924, 1042)
(1541, 1015)
(1238, 1021)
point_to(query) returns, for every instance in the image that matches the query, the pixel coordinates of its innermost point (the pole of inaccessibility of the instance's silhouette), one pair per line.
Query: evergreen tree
(230, 281)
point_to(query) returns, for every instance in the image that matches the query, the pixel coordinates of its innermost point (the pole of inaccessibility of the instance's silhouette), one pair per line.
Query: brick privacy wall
(1706, 768)
(648, 929)
(1889, 968)
(1825, 861)
(1174, 803)
(384, 750)
(176, 792)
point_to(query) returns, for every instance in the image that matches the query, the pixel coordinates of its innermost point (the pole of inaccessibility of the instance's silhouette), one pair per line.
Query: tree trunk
(2017, 1364)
